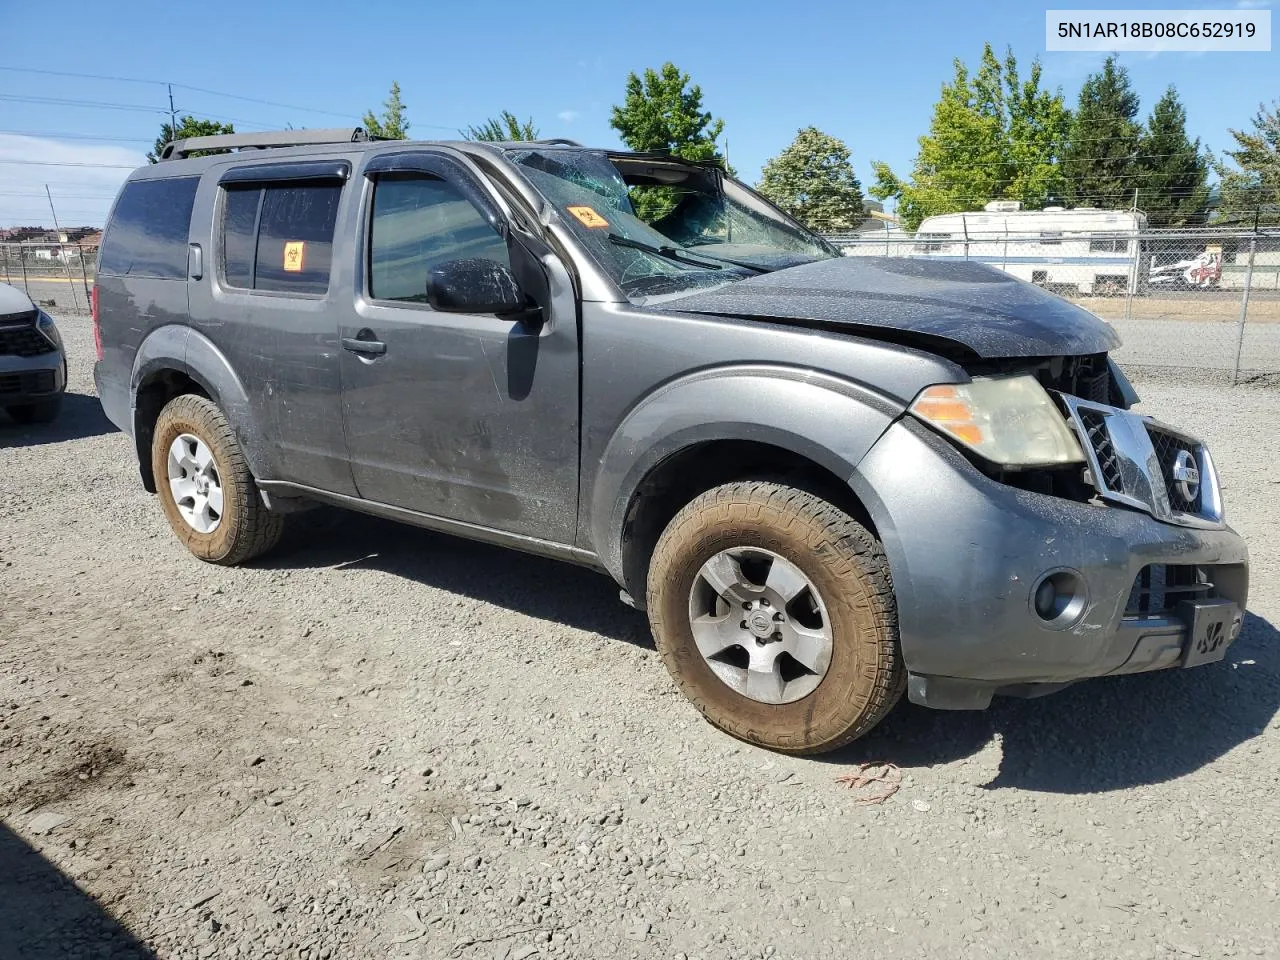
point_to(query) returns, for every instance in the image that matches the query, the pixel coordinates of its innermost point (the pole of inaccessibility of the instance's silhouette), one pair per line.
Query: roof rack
(178, 149)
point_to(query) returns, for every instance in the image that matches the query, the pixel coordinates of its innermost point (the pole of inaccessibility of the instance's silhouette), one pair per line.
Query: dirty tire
(247, 528)
(841, 559)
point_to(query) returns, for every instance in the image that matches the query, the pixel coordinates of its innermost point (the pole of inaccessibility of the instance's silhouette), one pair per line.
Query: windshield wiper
(666, 252)
(680, 255)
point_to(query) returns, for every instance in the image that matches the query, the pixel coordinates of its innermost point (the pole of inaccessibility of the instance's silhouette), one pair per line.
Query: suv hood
(981, 310)
(13, 300)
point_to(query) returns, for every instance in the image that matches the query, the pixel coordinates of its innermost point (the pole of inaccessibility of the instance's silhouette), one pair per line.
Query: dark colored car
(827, 479)
(33, 365)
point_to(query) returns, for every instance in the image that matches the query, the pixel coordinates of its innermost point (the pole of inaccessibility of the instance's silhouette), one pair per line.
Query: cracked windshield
(662, 226)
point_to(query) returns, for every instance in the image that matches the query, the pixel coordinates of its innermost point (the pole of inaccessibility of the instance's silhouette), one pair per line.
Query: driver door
(471, 417)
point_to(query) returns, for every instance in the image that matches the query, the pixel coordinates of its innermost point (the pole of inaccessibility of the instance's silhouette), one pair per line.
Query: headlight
(1008, 420)
(48, 329)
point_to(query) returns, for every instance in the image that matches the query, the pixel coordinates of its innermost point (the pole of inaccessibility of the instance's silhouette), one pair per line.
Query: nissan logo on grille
(1186, 475)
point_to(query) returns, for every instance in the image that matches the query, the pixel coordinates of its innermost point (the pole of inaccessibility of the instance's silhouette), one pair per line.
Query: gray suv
(827, 479)
(33, 365)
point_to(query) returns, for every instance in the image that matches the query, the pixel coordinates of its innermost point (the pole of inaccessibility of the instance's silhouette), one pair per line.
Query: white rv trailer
(1084, 251)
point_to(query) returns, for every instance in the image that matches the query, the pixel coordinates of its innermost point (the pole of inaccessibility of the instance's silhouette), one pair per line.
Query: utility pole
(62, 249)
(173, 116)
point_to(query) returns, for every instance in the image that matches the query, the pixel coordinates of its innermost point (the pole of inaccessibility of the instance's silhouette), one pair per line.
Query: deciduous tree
(188, 126)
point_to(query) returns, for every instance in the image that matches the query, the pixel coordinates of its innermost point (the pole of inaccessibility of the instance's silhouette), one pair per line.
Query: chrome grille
(1095, 429)
(1132, 461)
(1167, 447)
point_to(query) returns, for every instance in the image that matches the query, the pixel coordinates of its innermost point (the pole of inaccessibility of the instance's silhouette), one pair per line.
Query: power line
(66, 163)
(212, 93)
(71, 136)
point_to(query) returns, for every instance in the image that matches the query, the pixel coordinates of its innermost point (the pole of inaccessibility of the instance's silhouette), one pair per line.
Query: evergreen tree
(1173, 172)
(1251, 189)
(392, 125)
(813, 180)
(663, 111)
(1100, 162)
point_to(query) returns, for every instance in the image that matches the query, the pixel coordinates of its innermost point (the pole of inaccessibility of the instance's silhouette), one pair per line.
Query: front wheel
(205, 486)
(774, 612)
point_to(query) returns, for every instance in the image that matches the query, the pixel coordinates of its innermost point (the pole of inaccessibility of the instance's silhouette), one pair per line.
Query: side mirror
(474, 285)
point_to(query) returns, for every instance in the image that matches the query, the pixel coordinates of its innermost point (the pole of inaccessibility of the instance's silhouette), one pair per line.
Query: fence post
(84, 276)
(4, 258)
(22, 262)
(1244, 310)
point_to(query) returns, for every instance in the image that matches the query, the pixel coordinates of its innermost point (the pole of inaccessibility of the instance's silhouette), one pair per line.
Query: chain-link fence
(57, 276)
(1206, 300)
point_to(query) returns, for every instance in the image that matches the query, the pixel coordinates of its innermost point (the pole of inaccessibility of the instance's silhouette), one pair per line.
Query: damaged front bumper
(974, 560)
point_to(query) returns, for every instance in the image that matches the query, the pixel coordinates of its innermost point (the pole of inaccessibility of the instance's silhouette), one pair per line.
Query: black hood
(979, 309)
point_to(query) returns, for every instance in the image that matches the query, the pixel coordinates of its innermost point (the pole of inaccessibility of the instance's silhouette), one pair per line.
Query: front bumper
(27, 379)
(966, 553)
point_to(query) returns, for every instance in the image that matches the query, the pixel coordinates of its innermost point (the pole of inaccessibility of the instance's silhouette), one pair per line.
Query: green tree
(503, 127)
(813, 180)
(1251, 188)
(188, 126)
(992, 136)
(1173, 191)
(1101, 159)
(663, 111)
(392, 125)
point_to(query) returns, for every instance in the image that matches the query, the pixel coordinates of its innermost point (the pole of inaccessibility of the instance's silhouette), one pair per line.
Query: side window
(280, 236)
(418, 222)
(147, 235)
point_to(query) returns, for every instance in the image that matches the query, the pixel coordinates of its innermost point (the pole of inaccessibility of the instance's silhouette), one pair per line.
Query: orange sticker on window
(588, 217)
(295, 253)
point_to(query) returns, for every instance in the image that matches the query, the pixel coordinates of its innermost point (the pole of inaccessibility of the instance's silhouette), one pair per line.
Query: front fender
(187, 351)
(828, 420)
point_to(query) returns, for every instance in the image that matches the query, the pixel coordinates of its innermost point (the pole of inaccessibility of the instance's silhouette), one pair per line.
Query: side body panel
(470, 417)
(654, 384)
(284, 350)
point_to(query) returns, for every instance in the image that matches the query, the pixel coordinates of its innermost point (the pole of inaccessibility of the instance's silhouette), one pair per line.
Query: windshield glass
(696, 217)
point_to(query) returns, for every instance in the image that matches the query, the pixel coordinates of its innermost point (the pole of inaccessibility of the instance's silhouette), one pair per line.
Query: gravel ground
(384, 742)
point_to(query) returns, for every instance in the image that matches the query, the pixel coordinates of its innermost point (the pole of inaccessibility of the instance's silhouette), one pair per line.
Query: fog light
(1059, 598)
(1046, 597)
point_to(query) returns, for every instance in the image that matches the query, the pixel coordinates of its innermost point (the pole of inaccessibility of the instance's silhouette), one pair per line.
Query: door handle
(360, 344)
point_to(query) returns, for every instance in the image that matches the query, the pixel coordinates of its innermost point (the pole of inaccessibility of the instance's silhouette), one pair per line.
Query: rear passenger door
(266, 300)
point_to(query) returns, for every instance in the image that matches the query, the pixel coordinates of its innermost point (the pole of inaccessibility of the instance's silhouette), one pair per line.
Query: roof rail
(178, 149)
(559, 141)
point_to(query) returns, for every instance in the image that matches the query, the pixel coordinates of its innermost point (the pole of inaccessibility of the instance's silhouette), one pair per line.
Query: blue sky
(867, 73)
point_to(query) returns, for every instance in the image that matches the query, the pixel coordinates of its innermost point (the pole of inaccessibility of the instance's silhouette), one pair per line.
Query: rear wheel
(774, 612)
(205, 486)
(40, 411)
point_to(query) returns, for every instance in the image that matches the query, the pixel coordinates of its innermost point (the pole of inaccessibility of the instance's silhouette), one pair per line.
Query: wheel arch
(175, 360)
(810, 429)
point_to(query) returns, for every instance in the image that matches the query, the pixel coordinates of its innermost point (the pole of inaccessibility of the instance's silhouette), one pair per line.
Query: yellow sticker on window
(295, 254)
(588, 217)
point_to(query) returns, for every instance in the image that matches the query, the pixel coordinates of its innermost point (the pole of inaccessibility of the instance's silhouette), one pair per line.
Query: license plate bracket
(1211, 626)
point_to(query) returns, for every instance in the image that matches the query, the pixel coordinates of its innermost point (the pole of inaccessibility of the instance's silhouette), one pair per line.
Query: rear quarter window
(147, 235)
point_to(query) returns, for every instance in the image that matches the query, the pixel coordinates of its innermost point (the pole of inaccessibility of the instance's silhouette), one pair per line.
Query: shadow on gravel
(1105, 734)
(81, 416)
(45, 916)
(535, 586)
